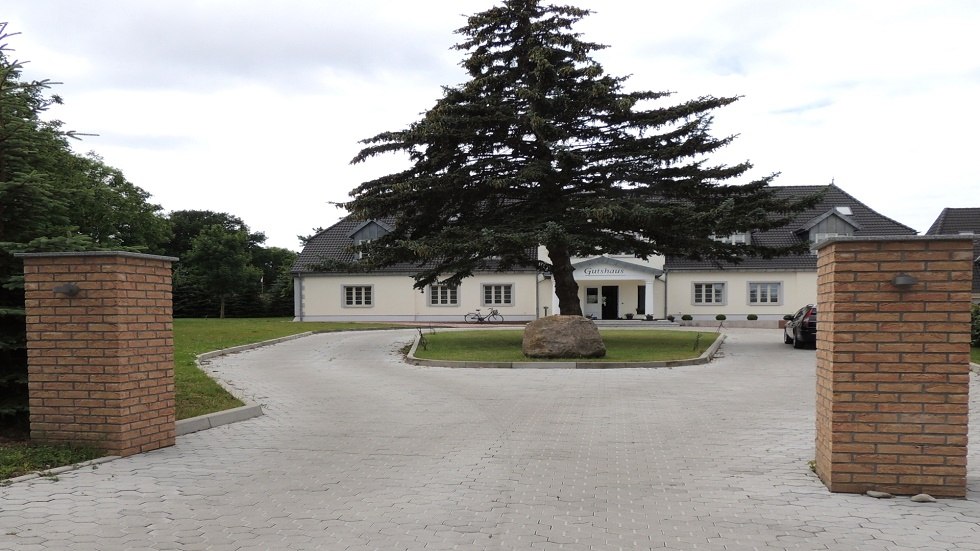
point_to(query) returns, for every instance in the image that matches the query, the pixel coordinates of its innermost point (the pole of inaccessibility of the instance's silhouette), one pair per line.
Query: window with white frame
(498, 294)
(709, 293)
(770, 292)
(443, 295)
(358, 296)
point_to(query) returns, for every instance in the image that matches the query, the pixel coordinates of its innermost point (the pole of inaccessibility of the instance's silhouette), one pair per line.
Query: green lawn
(975, 355)
(20, 458)
(622, 345)
(198, 394)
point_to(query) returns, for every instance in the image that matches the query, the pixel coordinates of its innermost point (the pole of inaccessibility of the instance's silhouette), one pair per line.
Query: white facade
(390, 297)
(768, 294)
(609, 288)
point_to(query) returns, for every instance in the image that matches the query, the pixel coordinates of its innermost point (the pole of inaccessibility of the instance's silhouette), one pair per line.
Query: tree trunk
(222, 308)
(564, 281)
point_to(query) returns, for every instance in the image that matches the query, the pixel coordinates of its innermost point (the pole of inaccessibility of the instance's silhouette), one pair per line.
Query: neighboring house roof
(863, 220)
(956, 221)
(953, 221)
(333, 243)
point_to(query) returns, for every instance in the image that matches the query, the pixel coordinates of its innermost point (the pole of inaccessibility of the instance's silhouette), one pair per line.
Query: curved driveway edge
(704, 358)
(248, 411)
(48, 473)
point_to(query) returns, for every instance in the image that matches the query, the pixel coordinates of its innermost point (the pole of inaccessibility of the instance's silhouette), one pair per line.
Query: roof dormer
(833, 223)
(369, 231)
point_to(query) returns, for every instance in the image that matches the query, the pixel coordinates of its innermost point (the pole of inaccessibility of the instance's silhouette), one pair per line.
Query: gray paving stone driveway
(360, 451)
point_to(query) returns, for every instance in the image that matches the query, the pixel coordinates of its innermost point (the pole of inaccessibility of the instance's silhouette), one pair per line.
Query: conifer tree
(541, 146)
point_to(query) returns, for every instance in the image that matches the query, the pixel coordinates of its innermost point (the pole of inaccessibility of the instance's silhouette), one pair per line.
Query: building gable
(603, 267)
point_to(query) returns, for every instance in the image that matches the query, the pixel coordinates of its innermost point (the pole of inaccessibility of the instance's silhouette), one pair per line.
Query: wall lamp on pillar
(904, 281)
(67, 289)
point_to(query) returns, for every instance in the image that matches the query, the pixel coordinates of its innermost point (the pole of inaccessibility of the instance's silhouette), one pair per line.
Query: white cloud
(256, 108)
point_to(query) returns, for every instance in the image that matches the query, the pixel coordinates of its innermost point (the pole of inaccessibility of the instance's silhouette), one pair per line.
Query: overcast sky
(256, 108)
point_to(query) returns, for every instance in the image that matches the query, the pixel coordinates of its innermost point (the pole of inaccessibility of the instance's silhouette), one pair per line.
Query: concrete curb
(193, 424)
(218, 418)
(244, 347)
(704, 358)
(58, 470)
(248, 411)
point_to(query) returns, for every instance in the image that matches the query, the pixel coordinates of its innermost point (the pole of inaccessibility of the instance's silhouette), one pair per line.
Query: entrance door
(610, 302)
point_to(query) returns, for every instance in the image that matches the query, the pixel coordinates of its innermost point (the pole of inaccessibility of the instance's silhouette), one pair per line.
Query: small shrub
(721, 317)
(671, 318)
(751, 317)
(687, 317)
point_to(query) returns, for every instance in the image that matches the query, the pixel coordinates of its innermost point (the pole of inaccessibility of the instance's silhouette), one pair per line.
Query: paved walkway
(359, 451)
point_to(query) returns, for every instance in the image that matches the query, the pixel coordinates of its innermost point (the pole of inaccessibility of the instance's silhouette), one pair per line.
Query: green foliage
(218, 262)
(188, 224)
(112, 211)
(751, 317)
(558, 152)
(262, 285)
(975, 325)
(51, 200)
(721, 317)
(687, 317)
(17, 459)
(32, 211)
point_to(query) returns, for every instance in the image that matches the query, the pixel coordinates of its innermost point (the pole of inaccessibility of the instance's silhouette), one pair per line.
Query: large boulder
(563, 337)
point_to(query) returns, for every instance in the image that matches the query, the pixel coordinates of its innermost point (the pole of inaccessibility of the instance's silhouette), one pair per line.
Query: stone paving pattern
(359, 451)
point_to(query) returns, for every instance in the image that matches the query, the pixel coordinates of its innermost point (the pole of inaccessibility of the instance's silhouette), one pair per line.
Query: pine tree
(33, 216)
(541, 146)
(51, 200)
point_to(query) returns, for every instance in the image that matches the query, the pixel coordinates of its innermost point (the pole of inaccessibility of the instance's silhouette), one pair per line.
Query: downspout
(298, 296)
(538, 279)
(665, 293)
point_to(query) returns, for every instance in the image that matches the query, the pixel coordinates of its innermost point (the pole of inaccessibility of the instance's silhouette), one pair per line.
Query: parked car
(801, 327)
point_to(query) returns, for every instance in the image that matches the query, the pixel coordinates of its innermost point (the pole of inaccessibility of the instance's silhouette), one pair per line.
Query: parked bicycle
(477, 317)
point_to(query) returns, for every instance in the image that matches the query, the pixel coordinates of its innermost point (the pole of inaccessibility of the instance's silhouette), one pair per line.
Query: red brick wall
(100, 364)
(893, 373)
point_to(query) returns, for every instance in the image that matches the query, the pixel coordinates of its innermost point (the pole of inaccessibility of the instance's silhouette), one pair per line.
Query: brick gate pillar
(100, 349)
(893, 359)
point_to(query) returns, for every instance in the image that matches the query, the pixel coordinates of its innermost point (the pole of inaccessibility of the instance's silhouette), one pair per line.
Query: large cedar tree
(541, 147)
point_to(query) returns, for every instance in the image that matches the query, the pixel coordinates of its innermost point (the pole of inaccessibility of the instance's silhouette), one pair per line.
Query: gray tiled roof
(333, 242)
(954, 221)
(866, 222)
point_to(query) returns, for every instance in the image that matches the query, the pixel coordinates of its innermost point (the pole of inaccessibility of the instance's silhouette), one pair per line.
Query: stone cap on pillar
(129, 254)
(888, 238)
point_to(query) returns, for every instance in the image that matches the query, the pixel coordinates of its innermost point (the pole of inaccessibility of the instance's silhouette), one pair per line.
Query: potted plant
(649, 317)
(629, 315)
